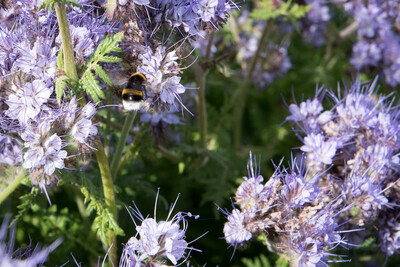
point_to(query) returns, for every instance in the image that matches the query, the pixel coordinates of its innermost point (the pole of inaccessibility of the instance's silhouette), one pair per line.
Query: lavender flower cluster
(356, 145)
(50, 135)
(376, 23)
(290, 210)
(346, 182)
(155, 38)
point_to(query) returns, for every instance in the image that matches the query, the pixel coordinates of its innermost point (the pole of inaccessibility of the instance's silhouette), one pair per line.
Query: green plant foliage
(61, 85)
(261, 261)
(95, 203)
(49, 4)
(27, 201)
(88, 81)
(289, 10)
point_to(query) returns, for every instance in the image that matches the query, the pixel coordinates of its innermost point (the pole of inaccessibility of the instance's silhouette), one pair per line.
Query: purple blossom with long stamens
(157, 241)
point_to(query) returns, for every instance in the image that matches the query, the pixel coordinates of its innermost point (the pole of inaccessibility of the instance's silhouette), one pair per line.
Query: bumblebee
(134, 94)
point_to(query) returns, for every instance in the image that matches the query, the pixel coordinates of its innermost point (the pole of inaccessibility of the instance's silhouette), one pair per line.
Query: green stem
(243, 91)
(109, 196)
(132, 149)
(11, 187)
(201, 75)
(69, 61)
(113, 125)
(121, 142)
(202, 109)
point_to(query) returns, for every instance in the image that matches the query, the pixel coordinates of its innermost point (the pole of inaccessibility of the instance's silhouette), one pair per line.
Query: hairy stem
(121, 142)
(109, 195)
(69, 61)
(241, 98)
(11, 187)
(202, 109)
(201, 98)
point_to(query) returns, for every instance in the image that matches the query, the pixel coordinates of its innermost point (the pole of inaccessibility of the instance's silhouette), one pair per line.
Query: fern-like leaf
(49, 4)
(91, 86)
(111, 59)
(26, 202)
(61, 85)
(104, 220)
(102, 74)
(108, 45)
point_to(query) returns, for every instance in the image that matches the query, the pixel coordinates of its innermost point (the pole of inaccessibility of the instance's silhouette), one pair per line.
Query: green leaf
(104, 220)
(110, 59)
(61, 85)
(27, 201)
(91, 86)
(261, 261)
(88, 81)
(102, 74)
(60, 59)
(281, 262)
(267, 10)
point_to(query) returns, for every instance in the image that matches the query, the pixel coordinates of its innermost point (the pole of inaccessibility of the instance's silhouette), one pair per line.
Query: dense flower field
(199, 133)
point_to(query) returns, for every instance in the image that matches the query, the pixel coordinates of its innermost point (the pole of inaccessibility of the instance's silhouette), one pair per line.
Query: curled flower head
(157, 241)
(292, 210)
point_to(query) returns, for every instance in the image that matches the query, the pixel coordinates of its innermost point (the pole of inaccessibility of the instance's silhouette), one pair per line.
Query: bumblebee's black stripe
(132, 94)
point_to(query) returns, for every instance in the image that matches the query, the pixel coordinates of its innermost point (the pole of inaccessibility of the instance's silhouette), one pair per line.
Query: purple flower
(319, 151)
(358, 107)
(296, 191)
(26, 103)
(389, 236)
(45, 151)
(308, 115)
(309, 243)
(82, 127)
(365, 54)
(292, 210)
(40, 60)
(235, 229)
(157, 241)
(364, 191)
(161, 69)
(356, 151)
(10, 150)
(167, 117)
(206, 9)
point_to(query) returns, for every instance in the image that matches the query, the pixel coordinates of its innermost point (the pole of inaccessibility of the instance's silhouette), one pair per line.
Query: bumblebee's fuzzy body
(134, 94)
